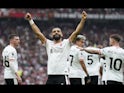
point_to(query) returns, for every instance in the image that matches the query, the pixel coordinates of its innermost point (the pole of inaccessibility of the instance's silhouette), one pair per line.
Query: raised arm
(35, 28)
(79, 27)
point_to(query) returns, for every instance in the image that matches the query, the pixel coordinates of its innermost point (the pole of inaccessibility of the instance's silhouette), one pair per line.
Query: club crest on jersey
(12, 54)
(81, 53)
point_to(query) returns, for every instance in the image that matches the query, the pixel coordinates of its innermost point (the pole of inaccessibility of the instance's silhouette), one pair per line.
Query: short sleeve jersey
(75, 68)
(114, 62)
(92, 62)
(57, 57)
(9, 55)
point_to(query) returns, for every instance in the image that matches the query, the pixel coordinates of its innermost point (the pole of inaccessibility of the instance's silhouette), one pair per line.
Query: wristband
(31, 22)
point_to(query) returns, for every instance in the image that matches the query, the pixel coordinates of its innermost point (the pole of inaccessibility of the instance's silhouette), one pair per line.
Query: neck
(58, 41)
(116, 45)
(13, 45)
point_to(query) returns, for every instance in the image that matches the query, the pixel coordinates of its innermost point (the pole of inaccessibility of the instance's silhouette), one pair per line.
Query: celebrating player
(114, 56)
(57, 50)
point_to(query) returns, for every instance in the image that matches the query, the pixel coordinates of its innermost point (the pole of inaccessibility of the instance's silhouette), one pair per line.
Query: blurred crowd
(32, 55)
(47, 13)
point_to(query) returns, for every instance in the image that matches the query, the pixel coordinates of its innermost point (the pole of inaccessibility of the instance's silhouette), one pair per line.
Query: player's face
(16, 41)
(57, 34)
(111, 41)
(81, 43)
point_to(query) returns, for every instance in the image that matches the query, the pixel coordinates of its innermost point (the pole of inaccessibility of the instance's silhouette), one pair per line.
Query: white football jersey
(92, 62)
(10, 63)
(57, 57)
(114, 62)
(103, 65)
(75, 68)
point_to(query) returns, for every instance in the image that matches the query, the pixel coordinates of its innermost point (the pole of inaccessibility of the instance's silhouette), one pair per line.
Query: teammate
(10, 62)
(93, 66)
(114, 56)
(77, 66)
(103, 70)
(57, 50)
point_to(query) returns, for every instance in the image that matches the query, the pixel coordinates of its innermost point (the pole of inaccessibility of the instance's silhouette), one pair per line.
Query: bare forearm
(19, 79)
(79, 27)
(38, 33)
(91, 51)
(100, 71)
(17, 75)
(35, 28)
(78, 30)
(84, 67)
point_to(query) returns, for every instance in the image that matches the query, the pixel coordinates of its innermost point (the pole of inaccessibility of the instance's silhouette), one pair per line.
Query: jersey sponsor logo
(57, 50)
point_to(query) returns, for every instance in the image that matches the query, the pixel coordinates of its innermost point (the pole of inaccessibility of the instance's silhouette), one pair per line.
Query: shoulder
(9, 48)
(122, 49)
(48, 40)
(107, 48)
(65, 40)
(76, 47)
(73, 47)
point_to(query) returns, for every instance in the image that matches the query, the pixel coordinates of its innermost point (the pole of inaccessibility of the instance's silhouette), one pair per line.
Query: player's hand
(28, 16)
(84, 15)
(19, 79)
(88, 79)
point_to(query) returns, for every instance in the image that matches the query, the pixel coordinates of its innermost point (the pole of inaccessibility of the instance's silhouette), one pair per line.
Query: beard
(56, 37)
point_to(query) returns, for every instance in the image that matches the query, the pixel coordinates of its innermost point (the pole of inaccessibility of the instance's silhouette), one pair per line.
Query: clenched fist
(28, 16)
(84, 15)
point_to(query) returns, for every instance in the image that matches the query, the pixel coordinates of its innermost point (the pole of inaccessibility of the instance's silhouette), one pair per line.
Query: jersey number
(104, 64)
(113, 64)
(90, 60)
(71, 59)
(6, 63)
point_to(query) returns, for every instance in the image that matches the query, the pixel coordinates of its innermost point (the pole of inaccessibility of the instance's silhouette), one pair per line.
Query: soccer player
(93, 66)
(114, 56)
(10, 62)
(57, 50)
(103, 70)
(77, 66)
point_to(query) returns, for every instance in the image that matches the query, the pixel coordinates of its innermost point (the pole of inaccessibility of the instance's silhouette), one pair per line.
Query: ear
(61, 34)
